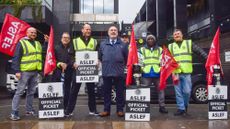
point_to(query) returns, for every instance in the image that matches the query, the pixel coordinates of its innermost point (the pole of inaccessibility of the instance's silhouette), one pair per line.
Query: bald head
(31, 33)
(86, 30)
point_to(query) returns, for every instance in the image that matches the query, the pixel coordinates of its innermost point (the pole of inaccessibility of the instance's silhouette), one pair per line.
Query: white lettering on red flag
(168, 64)
(50, 63)
(13, 30)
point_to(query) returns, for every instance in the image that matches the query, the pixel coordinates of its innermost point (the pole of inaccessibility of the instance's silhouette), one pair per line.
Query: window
(97, 6)
(109, 6)
(87, 6)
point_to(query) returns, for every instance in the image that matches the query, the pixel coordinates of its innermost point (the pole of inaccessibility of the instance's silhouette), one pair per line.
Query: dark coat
(113, 58)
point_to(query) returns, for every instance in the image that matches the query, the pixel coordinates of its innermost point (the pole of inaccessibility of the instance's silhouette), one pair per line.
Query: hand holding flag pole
(168, 64)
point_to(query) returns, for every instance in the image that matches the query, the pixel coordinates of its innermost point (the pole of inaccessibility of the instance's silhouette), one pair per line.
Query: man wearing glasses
(64, 65)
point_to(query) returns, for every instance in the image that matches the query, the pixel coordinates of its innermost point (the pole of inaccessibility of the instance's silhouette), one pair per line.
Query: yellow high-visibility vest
(79, 45)
(32, 56)
(151, 59)
(182, 55)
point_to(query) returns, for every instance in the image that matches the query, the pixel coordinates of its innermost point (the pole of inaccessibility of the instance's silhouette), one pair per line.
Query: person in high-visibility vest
(150, 55)
(83, 43)
(27, 63)
(182, 51)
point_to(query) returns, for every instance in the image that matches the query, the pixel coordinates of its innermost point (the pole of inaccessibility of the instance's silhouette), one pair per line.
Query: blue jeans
(183, 91)
(28, 79)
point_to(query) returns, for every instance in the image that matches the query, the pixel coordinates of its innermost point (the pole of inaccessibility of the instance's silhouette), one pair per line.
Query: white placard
(137, 104)
(87, 70)
(50, 100)
(137, 116)
(217, 92)
(217, 97)
(217, 115)
(132, 95)
(227, 56)
(48, 90)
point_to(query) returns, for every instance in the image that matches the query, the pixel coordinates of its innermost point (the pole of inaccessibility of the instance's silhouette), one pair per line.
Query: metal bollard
(137, 74)
(216, 75)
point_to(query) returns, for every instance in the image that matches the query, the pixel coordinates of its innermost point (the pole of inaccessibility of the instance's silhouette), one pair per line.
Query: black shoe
(186, 109)
(180, 113)
(163, 110)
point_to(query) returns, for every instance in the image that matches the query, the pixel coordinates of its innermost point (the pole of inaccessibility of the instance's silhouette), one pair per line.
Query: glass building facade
(96, 6)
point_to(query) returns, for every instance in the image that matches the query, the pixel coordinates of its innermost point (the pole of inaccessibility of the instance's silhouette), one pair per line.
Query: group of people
(112, 53)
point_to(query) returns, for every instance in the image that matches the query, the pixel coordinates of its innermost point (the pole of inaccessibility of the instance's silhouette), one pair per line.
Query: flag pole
(40, 32)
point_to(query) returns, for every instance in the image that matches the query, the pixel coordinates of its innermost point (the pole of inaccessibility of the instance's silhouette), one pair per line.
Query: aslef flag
(213, 57)
(168, 65)
(50, 62)
(132, 58)
(13, 29)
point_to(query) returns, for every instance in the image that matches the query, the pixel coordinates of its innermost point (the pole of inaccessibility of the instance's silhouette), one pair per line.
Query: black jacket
(62, 53)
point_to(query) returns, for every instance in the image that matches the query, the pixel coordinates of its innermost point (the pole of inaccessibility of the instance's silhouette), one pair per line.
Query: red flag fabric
(168, 64)
(50, 62)
(132, 58)
(13, 29)
(213, 57)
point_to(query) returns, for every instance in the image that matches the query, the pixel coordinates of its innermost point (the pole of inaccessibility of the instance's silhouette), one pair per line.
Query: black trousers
(119, 84)
(74, 93)
(67, 82)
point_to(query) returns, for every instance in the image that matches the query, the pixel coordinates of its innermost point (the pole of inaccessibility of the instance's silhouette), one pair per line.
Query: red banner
(213, 57)
(50, 63)
(168, 64)
(13, 30)
(132, 58)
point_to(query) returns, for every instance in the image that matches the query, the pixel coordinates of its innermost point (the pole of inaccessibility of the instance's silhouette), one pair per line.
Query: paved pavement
(197, 118)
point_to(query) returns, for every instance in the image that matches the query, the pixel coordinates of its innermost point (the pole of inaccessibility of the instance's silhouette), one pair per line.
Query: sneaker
(163, 110)
(94, 113)
(68, 114)
(30, 113)
(14, 117)
(180, 113)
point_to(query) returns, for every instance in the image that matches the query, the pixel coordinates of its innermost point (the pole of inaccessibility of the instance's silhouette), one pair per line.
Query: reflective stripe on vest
(151, 59)
(32, 56)
(183, 56)
(79, 45)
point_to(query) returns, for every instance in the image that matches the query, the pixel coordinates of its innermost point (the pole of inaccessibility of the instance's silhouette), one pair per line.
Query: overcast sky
(128, 9)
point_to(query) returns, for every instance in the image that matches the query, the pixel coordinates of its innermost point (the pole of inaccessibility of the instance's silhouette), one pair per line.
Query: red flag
(168, 64)
(213, 57)
(13, 30)
(50, 63)
(132, 58)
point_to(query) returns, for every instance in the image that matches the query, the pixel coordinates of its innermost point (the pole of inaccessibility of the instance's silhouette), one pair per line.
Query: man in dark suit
(113, 56)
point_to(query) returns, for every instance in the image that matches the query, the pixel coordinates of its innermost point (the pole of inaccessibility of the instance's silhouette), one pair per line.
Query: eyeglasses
(66, 37)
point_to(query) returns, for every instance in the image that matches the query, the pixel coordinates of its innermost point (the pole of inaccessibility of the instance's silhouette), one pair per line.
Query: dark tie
(113, 42)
